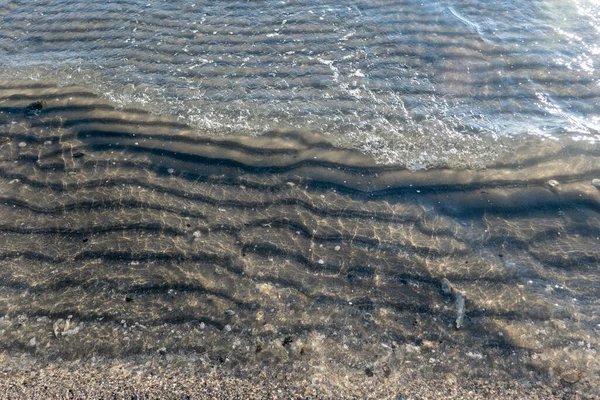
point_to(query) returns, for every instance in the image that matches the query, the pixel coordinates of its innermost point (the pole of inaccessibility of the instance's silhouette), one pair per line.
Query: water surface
(300, 188)
(422, 84)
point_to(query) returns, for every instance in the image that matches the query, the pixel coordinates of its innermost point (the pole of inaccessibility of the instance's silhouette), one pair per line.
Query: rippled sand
(127, 239)
(420, 84)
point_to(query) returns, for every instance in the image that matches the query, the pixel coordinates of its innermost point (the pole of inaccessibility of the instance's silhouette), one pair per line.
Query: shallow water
(421, 84)
(266, 204)
(127, 235)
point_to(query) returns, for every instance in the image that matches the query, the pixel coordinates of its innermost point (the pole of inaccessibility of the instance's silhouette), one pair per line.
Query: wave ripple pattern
(126, 235)
(422, 84)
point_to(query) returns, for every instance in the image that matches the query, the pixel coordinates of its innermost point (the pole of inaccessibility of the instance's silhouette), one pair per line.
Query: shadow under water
(128, 236)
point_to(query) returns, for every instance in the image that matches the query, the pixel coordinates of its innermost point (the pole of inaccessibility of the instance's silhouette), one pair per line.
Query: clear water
(422, 84)
(355, 193)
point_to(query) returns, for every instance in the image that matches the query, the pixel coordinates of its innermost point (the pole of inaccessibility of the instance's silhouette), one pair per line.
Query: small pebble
(321, 262)
(22, 144)
(571, 376)
(227, 328)
(337, 248)
(552, 183)
(446, 287)
(596, 182)
(170, 170)
(202, 325)
(196, 234)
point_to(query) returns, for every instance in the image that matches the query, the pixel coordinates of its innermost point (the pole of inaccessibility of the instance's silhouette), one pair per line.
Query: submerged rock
(446, 287)
(596, 182)
(35, 108)
(65, 328)
(459, 299)
(58, 327)
(552, 183)
(572, 376)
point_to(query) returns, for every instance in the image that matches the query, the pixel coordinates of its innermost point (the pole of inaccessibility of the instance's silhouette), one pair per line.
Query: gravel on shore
(116, 380)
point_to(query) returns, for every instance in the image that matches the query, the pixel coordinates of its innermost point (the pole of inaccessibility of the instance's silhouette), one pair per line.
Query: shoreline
(124, 380)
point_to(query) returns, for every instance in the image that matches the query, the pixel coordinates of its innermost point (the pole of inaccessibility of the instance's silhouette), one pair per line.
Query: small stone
(552, 183)
(171, 171)
(596, 182)
(451, 380)
(32, 342)
(227, 328)
(259, 315)
(162, 351)
(230, 313)
(428, 345)
(72, 332)
(572, 376)
(58, 326)
(446, 287)
(386, 370)
(197, 234)
(321, 262)
(22, 144)
(202, 325)
(337, 248)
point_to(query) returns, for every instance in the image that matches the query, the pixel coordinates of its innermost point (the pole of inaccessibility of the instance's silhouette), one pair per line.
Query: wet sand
(285, 263)
(123, 380)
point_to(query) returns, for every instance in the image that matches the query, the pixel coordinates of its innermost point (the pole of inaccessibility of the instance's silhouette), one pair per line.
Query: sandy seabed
(162, 264)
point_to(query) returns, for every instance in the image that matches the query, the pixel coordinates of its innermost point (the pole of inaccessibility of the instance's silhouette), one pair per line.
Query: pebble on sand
(596, 182)
(446, 287)
(571, 376)
(552, 183)
(22, 144)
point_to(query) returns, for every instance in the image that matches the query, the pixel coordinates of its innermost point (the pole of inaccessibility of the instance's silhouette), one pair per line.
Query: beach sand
(122, 380)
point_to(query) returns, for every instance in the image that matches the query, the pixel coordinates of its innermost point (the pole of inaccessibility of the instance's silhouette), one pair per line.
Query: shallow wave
(437, 84)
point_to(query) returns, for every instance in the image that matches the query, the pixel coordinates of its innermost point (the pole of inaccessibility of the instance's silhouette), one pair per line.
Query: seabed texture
(141, 260)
